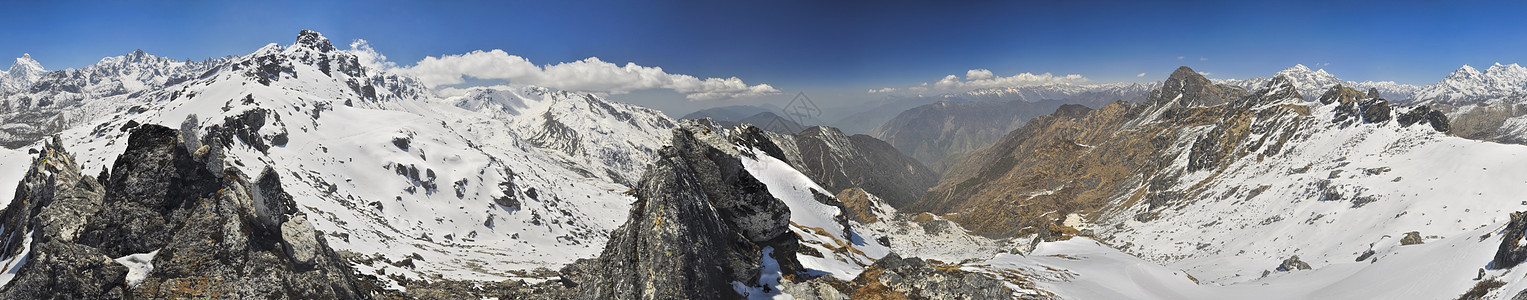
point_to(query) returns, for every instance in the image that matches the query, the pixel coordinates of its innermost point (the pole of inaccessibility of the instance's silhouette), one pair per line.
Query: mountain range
(302, 171)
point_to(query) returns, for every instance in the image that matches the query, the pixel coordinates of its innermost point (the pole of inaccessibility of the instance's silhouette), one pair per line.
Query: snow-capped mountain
(488, 186)
(585, 131)
(21, 74)
(1468, 85)
(56, 100)
(495, 183)
(1253, 197)
(1311, 82)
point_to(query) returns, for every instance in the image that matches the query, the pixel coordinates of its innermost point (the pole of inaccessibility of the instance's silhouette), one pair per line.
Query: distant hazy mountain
(866, 121)
(729, 113)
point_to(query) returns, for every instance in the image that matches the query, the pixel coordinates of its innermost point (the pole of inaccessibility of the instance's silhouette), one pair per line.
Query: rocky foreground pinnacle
(205, 232)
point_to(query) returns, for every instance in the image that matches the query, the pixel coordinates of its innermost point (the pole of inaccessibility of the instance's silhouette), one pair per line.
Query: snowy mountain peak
(314, 40)
(24, 65)
(1465, 71)
(1511, 70)
(138, 56)
(1468, 85)
(1319, 80)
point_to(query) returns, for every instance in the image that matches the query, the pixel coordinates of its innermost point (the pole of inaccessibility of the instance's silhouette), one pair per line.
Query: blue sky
(834, 48)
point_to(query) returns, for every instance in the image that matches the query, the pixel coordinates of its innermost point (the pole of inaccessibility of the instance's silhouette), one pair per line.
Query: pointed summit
(1188, 88)
(1298, 67)
(24, 65)
(1465, 71)
(314, 40)
(1373, 93)
(137, 56)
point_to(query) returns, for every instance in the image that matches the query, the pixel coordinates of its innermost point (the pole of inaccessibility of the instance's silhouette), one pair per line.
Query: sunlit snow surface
(341, 166)
(13, 166)
(812, 220)
(138, 266)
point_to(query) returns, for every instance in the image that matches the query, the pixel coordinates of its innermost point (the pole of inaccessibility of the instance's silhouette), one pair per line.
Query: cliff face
(168, 222)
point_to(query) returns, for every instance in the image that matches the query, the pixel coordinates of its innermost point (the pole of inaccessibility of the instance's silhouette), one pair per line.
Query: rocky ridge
(180, 224)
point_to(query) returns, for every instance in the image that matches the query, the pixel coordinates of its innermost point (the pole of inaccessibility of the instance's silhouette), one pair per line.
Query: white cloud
(1181, 57)
(369, 57)
(1205, 73)
(983, 78)
(1203, 59)
(591, 75)
(952, 82)
(979, 74)
(1142, 74)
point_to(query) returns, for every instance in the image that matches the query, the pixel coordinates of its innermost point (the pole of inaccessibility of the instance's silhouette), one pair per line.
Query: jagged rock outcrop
(1411, 238)
(838, 161)
(700, 223)
(1340, 94)
(1511, 252)
(1425, 114)
(206, 232)
(894, 277)
(1293, 263)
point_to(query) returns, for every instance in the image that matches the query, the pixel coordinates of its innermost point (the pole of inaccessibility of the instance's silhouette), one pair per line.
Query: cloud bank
(590, 75)
(983, 78)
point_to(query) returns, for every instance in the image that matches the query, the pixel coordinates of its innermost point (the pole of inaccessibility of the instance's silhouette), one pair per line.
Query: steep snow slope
(587, 134)
(417, 188)
(13, 166)
(820, 226)
(1335, 193)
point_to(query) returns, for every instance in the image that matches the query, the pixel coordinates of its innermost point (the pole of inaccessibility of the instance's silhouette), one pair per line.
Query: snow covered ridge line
(1345, 197)
(1468, 85)
(50, 102)
(484, 189)
(1313, 81)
